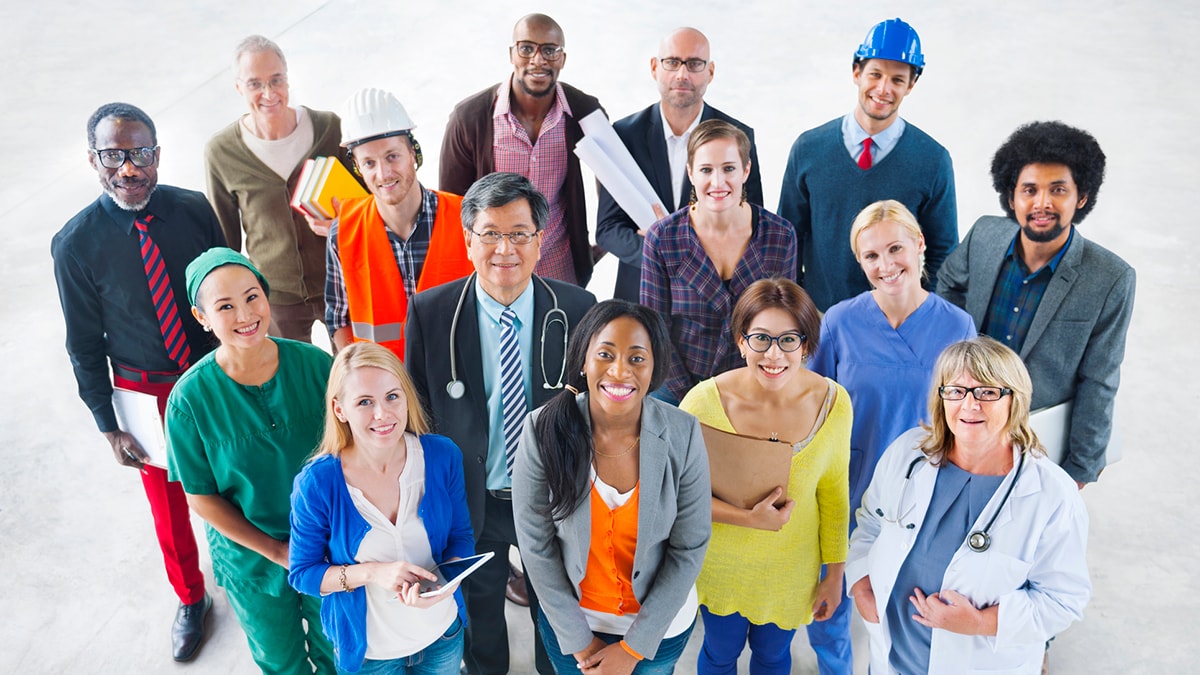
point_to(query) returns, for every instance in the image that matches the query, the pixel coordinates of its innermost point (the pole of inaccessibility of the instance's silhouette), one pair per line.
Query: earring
(692, 199)
(745, 196)
(207, 328)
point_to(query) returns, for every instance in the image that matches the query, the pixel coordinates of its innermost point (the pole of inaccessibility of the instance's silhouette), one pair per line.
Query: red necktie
(169, 323)
(864, 160)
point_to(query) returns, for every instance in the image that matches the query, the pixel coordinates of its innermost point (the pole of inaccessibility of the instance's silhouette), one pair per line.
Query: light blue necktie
(512, 386)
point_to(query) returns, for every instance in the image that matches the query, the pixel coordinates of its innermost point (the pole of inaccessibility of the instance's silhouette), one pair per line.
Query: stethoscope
(978, 540)
(455, 387)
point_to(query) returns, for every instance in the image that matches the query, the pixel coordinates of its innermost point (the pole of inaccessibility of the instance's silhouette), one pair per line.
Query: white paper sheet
(137, 414)
(604, 153)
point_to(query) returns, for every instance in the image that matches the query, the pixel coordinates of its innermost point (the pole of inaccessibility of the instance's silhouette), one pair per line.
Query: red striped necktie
(169, 322)
(864, 160)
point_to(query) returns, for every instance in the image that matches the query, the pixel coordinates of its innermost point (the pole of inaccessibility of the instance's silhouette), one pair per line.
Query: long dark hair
(563, 435)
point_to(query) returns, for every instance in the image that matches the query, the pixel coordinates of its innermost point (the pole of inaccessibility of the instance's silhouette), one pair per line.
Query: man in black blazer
(657, 138)
(452, 349)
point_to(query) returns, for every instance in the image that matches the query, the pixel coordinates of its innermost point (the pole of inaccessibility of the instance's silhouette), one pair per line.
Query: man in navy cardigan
(657, 138)
(840, 167)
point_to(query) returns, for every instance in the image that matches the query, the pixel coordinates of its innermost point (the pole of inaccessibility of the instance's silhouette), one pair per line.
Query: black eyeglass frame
(673, 64)
(126, 156)
(974, 392)
(776, 340)
(549, 51)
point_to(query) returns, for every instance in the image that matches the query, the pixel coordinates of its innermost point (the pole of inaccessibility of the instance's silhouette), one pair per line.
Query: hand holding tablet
(451, 573)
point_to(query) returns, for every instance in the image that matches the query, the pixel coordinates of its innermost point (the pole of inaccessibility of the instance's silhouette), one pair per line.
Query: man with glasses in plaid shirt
(529, 124)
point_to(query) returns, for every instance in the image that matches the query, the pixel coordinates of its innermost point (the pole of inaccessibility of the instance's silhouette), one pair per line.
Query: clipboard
(137, 415)
(1053, 428)
(745, 469)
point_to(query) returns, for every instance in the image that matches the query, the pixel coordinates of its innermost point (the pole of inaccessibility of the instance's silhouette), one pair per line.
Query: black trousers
(486, 649)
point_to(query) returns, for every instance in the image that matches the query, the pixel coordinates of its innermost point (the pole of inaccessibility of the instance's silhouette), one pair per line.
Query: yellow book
(335, 181)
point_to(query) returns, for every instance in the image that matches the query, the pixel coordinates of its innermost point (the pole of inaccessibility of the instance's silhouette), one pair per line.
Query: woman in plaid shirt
(698, 260)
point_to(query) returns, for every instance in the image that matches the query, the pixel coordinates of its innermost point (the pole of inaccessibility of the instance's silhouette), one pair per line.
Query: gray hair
(501, 189)
(254, 44)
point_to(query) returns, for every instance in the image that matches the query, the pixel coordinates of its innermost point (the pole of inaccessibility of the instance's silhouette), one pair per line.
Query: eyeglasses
(693, 65)
(761, 342)
(550, 51)
(953, 393)
(493, 238)
(276, 83)
(114, 158)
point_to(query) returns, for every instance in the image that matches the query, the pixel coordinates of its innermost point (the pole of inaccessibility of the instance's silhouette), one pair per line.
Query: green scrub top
(246, 444)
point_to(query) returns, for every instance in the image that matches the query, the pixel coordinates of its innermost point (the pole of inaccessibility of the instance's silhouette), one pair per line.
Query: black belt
(505, 494)
(144, 375)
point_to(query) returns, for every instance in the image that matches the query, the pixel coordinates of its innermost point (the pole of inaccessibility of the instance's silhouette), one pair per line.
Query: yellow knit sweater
(769, 577)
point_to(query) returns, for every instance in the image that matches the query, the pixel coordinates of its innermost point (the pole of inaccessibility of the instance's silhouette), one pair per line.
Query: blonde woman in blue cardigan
(381, 504)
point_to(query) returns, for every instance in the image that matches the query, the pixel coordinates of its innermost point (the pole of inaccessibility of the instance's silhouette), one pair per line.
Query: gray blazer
(1076, 343)
(674, 525)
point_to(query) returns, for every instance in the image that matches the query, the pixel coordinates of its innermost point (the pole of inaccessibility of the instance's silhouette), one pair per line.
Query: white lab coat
(1035, 569)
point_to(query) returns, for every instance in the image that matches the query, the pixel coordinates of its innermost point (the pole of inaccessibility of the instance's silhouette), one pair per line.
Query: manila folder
(744, 469)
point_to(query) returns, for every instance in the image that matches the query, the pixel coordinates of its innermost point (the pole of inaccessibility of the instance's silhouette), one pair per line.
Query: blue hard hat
(893, 40)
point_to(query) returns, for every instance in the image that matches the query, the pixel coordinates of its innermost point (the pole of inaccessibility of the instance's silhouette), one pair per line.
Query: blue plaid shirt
(1017, 294)
(680, 282)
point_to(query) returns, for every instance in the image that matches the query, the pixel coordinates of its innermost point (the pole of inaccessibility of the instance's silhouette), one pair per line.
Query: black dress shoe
(187, 633)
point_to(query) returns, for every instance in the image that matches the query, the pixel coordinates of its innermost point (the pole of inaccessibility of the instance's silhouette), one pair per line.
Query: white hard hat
(373, 113)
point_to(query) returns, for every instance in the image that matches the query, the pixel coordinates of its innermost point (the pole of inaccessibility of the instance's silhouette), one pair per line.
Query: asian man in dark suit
(1033, 282)
(483, 351)
(657, 138)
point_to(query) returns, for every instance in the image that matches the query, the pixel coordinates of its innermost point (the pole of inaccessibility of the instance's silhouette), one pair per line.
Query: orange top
(374, 287)
(607, 584)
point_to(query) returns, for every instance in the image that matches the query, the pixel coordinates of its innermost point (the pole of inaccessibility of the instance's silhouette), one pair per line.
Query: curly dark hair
(1049, 143)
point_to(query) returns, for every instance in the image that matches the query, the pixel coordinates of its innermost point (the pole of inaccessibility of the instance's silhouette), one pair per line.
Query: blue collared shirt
(1017, 294)
(488, 313)
(881, 143)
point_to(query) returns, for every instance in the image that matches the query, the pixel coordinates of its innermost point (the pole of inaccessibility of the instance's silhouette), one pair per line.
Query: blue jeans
(440, 658)
(725, 637)
(663, 662)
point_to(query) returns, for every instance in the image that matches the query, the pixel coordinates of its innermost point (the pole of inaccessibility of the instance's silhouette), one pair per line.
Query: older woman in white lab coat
(969, 552)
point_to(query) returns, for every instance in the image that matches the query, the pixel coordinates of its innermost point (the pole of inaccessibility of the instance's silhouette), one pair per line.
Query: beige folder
(745, 469)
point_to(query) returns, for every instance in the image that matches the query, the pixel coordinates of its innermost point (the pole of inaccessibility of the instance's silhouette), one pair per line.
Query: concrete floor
(84, 590)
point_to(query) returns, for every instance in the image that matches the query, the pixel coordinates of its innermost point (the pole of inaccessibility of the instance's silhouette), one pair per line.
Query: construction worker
(399, 240)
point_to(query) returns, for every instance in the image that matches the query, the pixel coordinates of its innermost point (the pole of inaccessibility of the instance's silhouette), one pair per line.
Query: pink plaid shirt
(544, 163)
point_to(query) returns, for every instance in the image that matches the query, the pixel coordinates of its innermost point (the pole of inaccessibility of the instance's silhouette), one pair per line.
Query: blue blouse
(958, 499)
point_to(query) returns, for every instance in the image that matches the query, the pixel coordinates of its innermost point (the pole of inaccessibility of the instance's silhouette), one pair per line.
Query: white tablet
(451, 573)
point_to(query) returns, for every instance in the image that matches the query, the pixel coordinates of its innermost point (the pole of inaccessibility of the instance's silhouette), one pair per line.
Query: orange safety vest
(374, 287)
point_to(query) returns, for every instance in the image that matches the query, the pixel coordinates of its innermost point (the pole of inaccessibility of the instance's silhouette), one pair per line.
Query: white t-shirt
(282, 155)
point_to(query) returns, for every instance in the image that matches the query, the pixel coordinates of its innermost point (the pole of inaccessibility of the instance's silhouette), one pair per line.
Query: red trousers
(168, 504)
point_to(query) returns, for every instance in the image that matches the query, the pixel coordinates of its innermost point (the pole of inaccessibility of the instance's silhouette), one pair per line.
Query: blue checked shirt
(680, 282)
(410, 257)
(1017, 294)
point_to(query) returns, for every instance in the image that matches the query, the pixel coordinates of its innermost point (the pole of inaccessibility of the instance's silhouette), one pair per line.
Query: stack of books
(321, 180)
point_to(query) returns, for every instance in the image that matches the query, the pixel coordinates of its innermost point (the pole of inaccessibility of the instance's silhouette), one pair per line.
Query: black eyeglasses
(693, 65)
(493, 238)
(953, 393)
(761, 342)
(114, 158)
(550, 51)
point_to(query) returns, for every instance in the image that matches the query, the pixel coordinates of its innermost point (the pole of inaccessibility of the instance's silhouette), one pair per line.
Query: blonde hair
(887, 210)
(994, 365)
(337, 435)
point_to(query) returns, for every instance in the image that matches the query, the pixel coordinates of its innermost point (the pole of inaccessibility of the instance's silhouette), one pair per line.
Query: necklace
(619, 454)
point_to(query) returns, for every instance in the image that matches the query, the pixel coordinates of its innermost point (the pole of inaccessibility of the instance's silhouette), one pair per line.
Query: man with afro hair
(1033, 282)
